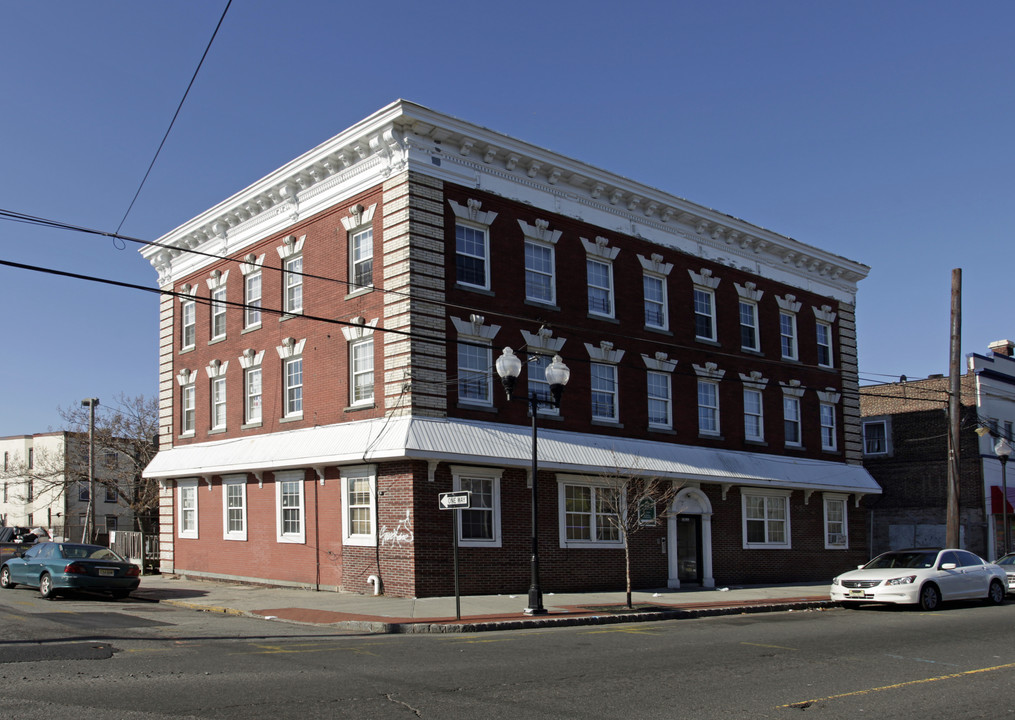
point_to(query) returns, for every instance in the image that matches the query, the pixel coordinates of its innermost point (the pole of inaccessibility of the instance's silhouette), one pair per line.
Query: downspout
(317, 537)
(376, 582)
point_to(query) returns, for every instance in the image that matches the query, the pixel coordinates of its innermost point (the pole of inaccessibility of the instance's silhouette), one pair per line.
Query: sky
(880, 131)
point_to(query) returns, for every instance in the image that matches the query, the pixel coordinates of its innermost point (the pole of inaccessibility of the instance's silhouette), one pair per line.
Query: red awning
(996, 507)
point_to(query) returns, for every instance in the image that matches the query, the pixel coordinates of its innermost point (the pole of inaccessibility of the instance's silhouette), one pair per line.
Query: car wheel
(930, 597)
(46, 586)
(5, 578)
(995, 596)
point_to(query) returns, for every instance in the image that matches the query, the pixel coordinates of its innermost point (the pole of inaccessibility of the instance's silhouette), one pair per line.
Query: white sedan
(924, 576)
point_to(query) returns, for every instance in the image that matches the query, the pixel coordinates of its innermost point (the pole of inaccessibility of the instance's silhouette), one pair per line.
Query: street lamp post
(509, 366)
(1002, 448)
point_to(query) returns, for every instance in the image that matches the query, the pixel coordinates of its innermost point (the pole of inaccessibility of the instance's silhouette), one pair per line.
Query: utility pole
(954, 411)
(88, 532)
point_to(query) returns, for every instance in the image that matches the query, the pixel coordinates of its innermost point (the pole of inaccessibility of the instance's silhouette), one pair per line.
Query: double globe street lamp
(509, 367)
(1002, 448)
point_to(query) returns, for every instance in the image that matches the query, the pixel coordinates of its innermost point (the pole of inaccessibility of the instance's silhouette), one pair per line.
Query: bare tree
(632, 503)
(125, 441)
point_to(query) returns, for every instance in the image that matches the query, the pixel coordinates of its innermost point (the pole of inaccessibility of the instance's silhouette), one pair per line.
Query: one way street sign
(461, 500)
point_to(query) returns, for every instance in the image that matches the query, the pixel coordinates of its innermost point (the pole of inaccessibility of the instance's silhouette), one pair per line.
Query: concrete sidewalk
(383, 614)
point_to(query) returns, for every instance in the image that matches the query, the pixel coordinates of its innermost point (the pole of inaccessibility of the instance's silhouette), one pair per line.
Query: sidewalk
(382, 614)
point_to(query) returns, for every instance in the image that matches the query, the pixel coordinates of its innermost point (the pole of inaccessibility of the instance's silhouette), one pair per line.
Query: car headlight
(905, 580)
(835, 581)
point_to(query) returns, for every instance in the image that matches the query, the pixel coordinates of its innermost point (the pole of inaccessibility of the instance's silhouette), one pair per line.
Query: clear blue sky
(881, 131)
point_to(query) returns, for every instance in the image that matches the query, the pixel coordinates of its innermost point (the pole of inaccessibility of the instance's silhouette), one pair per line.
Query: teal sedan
(57, 566)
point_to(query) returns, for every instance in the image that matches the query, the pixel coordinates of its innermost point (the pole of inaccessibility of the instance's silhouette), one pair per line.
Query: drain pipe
(376, 582)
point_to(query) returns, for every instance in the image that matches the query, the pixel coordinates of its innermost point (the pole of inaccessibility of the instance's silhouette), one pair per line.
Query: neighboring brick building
(905, 426)
(327, 356)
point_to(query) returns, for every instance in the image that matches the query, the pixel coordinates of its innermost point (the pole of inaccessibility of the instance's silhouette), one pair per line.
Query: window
(471, 256)
(536, 374)
(828, 434)
(600, 281)
(655, 302)
(234, 508)
(660, 413)
(252, 395)
(187, 498)
(704, 314)
(31, 458)
(110, 494)
(361, 253)
(110, 523)
(218, 313)
(588, 515)
(361, 364)
(252, 300)
(188, 407)
(359, 490)
(474, 386)
(289, 509)
(836, 531)
(539, 278)
(218, 403)
(292, 274)
(5, 492)
(31, 491)
(749, 338)
(188, 310)
(754, 415)
(293, 391)
(791, 420)
(824, 344)
(766, 519)
(875, 438)
(480, 525)
(708, 407)
(83, 493)
(604, 392)
(787, 335)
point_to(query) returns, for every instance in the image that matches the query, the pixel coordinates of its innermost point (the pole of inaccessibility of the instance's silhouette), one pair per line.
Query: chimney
(1002, 347)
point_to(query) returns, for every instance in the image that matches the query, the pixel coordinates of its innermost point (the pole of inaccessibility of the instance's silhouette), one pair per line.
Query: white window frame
(493, 476)
(836, 540)
(704, 296)
(292, 284)
(252, 290)
(884, 423)
(483, 356)
(788, 344)
(218, 403)
(484, 233)
(791, 416)
(535, 376)
(824, 347)
(187, 488)
(368, 473)
(234, 481)
(607, 290)
(663, 322)
(706, 410)
(540, 272)
(565, 481)
(666, 398)
(759, 415)
(359, 372)
(752, 325)
(771, 497)
(188, 409)
(829, 428)
(597, 388)
(292, 392)
(248, 416)
(357, 261)
(188, 324)
(289, 477)
(218, 313)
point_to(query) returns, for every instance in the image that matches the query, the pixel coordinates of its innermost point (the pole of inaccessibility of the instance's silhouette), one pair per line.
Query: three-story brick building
(328, 338)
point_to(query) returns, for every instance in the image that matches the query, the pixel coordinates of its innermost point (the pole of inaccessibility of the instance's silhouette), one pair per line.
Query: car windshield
(909, 559)
(89, 552)
(1007, 560)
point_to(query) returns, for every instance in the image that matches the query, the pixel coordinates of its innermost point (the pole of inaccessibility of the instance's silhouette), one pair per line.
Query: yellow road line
(777, 647)
(896, 686)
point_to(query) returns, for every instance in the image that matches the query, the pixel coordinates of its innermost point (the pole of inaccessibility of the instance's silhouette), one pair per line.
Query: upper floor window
(218, 313)
(361, 370)
(188, 401)
(252, 395)
(787, 335)
(188, 312)
(604, 392)
(754, 415)
(291, 354)
(540, 285)
(708, 407)
(472, 248)
(791, 420)
(704, 314)
(875, 437)
(828, 431)
(361, 254)
(660, 405)
(291, 252)
(749, 337)
(218, 403)
(474, 363)
(599, 275)
(656, 315)
(535, 370)
(251, 270)
(824, 335)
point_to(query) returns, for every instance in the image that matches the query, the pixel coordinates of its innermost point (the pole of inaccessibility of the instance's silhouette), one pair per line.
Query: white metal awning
(497, 444)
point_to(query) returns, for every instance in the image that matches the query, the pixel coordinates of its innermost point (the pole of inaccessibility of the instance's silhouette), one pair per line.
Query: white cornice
(404, 136)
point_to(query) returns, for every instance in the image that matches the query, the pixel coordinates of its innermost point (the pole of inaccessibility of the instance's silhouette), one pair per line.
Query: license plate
(856, 593)
(107, 572)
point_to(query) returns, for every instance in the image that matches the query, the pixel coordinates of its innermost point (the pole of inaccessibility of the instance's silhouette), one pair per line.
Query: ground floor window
(234, 508)
(289, 507)
(359, 508)
(766, 518)
(588, 514)
(187, 504)
(836, 534)
(480, 524)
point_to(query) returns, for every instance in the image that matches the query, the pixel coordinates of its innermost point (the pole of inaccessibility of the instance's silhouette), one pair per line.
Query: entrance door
(689, 549)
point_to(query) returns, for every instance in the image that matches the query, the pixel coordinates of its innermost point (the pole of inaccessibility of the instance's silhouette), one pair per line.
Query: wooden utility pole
(954, 411)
